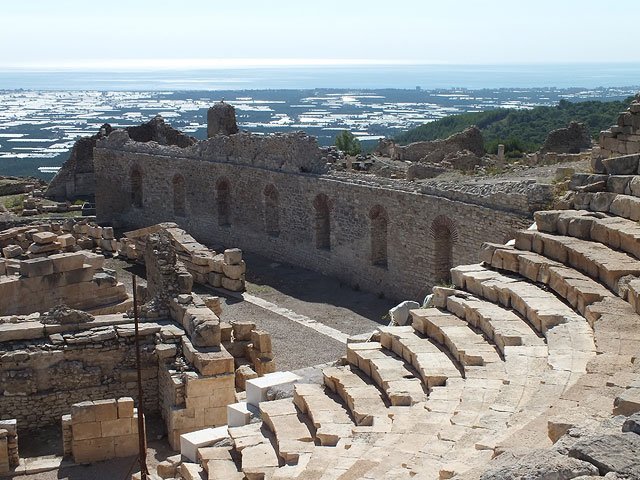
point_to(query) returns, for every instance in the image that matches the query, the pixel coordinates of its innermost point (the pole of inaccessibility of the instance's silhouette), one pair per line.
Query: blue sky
(160, 33)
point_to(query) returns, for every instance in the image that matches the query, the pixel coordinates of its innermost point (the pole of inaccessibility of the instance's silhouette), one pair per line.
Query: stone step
(433, 364)
(593, 259)
(218, 463)
(569, 336)
(254, 443)
(469, 348)
(330, 419)
(577, 289)
(617, 233)
(501, 326)
(293, 437)
(363, 400)
(620, 205)
(400, 385)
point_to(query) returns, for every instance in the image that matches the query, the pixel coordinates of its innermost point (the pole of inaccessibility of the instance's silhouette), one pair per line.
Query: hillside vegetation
(520, 130)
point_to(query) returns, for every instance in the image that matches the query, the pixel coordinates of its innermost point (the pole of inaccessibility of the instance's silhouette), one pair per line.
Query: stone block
(208, 386)
(232, 256)
(105, 409)
(244, 373)
(65, 262)
(234, 272)
(126, 445)
(125, 407)
(86, 431)
(242, 330)
(261, 340)
(44, 238)
(190, 471)
(37, 267)
(93, 450)
(47, 248)
(67, 240)
(191, 442)
(118, 427)
(233, 285)
(238, 414)
(215, 279)
(107, 233)
(257, 388)
(83, 412)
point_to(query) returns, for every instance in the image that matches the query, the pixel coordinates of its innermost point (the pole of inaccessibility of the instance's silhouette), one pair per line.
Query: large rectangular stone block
(86, 431)
(65, 262)
(105, 409)
(36, 267)
(44, 238)
(94, 450)
(125, 407)
(126, 445)
(118, 427)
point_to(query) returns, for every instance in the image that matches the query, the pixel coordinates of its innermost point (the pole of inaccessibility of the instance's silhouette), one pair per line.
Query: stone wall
(40, 378)
(101, 430)
(623, 138)
(322, 222)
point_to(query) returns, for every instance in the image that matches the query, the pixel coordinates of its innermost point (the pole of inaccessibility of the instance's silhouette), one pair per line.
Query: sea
(339, 76)
(42, 113)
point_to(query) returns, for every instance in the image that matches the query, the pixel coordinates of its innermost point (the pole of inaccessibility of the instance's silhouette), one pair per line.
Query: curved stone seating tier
(616, 232)
(392, 375)
(569, 337)
(434, 365)
(503, 327)
(466, 346)
(574, 287)
(293, 437)
(363, 400)
(329, 417)
(593, 259)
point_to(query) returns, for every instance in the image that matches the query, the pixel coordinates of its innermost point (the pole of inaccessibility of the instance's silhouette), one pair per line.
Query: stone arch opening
(323, 222)
(379, 222)
(444, 234)
(223, 200)
(179, 196)
(272, 210)
(136, 187)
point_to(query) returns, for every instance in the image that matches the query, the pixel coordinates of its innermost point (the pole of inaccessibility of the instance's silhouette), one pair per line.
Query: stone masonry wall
(282, 215)
(40, 380)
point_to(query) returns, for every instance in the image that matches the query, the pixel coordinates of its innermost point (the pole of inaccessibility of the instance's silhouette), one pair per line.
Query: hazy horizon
(68, 34)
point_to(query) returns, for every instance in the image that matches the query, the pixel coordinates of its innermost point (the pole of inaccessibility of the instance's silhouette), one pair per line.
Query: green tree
(348, 143)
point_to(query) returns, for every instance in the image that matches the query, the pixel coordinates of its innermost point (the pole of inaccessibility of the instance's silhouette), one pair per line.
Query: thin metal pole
(142, 444)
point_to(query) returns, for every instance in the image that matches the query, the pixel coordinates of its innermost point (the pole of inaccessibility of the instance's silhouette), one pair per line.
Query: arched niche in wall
(444, 235)
(136, 187)
(223, 201)
(179, 196)
(379, 221)
(322, 222)
(271, 210)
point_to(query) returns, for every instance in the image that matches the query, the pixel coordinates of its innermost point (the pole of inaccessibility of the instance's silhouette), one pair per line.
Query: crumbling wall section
(623, 138)
(43, 373)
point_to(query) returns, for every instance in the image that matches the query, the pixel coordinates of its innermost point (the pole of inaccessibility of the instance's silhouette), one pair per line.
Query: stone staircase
(541, 334)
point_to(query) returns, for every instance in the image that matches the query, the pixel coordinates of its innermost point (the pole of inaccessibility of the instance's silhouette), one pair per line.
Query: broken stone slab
(536, 464)
(625, 165)
(610, 453)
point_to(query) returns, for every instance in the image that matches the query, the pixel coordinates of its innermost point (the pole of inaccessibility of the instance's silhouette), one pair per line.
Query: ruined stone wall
(40, 381)
(623, 138)
(322, 222)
